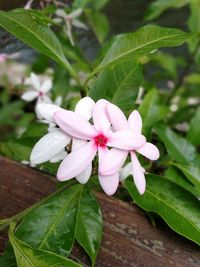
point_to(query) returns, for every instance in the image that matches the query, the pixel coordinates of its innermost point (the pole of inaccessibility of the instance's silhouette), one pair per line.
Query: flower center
(100, 140)
(40, 93)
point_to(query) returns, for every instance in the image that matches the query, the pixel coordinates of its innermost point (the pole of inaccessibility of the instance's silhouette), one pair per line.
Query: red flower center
(100, 140)
(40, 93)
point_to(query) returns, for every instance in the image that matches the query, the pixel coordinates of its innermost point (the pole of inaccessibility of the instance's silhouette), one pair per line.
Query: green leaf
(134, 45)
(177, 147)
(89, 224)
(96, 5)
(192, 172)
(51, 226)
(18, 149)
(119, 84)
(99, 24)
(34, 32)
(174, 175)
(28, 257)
(8, 258)
(193, 134)
(159, 6)
(151, 111)
(176, 206)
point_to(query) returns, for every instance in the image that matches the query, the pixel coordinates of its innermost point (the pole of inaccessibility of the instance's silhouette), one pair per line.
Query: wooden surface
(129, 239)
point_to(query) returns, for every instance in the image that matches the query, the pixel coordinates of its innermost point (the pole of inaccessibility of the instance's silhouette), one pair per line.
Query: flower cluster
(93, 129)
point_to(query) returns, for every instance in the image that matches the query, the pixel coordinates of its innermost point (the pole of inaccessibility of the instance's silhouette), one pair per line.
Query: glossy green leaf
(193, 134)
(119, 84)
(192, 172)
(178, 147)
(159, 6)
(145, 40)
(89, 224)
(176, 176)
(28, 257)
(51, 226)
(34, 32)
(176, 206)
(151, 111)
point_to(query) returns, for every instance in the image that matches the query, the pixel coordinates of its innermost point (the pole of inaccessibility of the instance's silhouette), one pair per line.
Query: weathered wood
(129, 239)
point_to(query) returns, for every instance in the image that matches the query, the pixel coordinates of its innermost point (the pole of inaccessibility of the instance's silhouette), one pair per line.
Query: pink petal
(135, 122)
(100, 117)
(85, 175)
(74, 124)
(126, 140)
(149, 151)
(117, 118)
(76, 162)
(109, 183)
(85, 107)
(138, 174)
(112, 161)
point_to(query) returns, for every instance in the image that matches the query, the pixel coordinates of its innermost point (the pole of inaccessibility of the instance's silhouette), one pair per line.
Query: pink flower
(94, 138)
(115, 158)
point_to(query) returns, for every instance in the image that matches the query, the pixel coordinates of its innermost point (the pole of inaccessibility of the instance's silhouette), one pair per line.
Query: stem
(17, 217)
(83, 91)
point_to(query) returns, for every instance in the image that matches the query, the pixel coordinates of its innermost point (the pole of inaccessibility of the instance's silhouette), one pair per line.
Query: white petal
(47, 111)
(60, 156)
(77, 23)
(29, 96)
(126, 171)
(84, 107)
(76, 13)
(45, 99)
(61, 13)
(35, 81)
(135, 122)
(58, 101)
(149, 151)
(100, 118)
(85, 175)
(46, 86)
(48, 146)
(138, 174)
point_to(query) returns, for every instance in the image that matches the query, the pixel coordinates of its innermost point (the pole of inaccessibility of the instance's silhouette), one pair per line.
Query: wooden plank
(129, 239)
